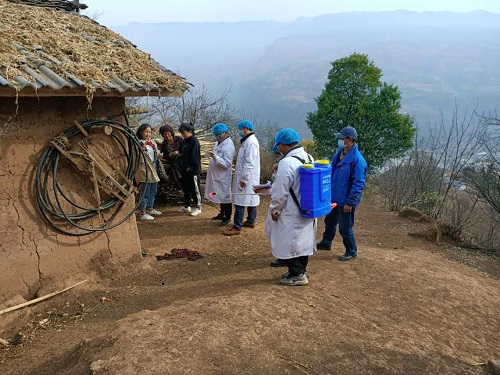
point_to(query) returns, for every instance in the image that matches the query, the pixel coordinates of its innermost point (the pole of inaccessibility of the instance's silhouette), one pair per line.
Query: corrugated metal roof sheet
(37, 64)
(48, 51)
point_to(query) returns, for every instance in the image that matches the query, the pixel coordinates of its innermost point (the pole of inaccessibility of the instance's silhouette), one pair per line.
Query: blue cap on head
(275, 149)
(245, 124)
(219, 128)
(287, 136)
(347, 132)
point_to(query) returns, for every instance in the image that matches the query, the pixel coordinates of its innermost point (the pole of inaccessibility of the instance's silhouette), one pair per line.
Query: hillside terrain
(405, 306)
(277, 69)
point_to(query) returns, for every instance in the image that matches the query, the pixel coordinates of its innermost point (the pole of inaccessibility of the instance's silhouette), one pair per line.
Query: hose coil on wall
(54, 203)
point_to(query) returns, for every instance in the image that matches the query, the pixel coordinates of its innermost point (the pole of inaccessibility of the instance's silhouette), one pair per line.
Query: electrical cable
(51, 197)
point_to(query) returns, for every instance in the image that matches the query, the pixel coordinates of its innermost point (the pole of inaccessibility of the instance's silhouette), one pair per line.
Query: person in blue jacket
(348, 181)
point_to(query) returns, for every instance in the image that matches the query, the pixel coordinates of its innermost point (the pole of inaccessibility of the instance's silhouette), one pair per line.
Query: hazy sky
(120, 12)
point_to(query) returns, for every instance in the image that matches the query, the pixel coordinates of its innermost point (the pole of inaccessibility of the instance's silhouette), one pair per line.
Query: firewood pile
(70, 6)
(205, 145)
(168, 193)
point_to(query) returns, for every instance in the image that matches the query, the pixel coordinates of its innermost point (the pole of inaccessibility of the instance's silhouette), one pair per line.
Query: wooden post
(39, 298)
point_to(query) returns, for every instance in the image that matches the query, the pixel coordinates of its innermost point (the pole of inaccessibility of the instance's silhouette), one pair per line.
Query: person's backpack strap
(299, 159)
(292, 193)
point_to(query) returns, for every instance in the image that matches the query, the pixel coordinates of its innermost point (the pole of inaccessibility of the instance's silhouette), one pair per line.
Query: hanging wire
(51, 198)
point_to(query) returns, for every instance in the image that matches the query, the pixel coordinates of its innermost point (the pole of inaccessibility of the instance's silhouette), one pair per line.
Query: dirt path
(403, 307)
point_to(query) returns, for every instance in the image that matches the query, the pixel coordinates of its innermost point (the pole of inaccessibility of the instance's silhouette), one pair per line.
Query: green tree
(355, 95)
(310, 147)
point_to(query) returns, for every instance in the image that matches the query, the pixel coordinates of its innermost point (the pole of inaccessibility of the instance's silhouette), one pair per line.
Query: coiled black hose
(51, 198)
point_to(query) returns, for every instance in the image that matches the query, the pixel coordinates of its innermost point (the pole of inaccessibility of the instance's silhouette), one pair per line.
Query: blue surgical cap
(287, 136)
(245, 124)
(275, 149)
(219, 128)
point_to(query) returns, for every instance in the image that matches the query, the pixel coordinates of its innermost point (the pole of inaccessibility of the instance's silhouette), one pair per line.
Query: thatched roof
(50, 52)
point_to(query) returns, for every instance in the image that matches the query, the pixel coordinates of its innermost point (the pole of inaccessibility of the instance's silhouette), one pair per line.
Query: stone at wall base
(494, 366)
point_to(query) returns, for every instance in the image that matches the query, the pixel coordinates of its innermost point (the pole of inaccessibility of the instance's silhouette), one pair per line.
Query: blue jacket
(348, 177)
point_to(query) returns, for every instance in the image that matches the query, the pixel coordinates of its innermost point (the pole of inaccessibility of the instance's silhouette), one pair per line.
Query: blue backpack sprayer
(315, 189)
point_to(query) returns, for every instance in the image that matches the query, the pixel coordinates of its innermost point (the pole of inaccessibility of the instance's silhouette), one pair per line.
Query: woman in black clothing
(171, 150)
(190, 169)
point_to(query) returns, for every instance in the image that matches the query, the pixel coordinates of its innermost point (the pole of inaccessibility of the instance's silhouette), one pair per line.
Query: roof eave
(7, 91)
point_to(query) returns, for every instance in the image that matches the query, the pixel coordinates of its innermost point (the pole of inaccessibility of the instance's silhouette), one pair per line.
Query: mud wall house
(56, 67)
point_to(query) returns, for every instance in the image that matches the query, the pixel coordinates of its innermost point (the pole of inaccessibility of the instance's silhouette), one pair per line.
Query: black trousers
(191, 189)
(297, 266)
(226, 209)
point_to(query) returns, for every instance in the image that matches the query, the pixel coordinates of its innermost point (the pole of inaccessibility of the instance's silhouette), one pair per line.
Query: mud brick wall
(35, 259)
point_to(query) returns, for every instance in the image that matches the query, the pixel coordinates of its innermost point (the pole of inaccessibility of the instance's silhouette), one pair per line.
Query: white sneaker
(196, 212)
(184, 209)
(154, 212)
(294, 280)
(146, 217)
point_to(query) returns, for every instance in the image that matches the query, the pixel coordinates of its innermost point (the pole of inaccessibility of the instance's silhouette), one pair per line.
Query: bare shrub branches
(453, 174)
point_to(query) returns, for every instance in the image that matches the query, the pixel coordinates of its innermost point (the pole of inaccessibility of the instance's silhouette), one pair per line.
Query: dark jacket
(191, 157)
(348, 177)
(166, 148)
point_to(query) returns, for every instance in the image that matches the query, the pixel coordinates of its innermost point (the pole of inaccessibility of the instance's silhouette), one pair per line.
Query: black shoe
(218, 217)
(278, 263)
(323, 246)
(345, 258)
(224, 222)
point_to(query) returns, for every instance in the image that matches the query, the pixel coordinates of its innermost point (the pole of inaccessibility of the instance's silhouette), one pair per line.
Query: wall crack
(40, 276)
(109, 244)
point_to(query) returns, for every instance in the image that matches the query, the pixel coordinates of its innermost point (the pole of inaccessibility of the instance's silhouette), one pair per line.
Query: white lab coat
(292, 235)
(219, 172)
(247, 169)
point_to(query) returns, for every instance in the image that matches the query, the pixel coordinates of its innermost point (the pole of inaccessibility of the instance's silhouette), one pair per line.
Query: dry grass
(85, 49)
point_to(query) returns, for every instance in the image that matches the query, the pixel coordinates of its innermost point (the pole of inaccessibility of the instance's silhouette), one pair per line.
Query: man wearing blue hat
(246, 175)
(348, 181)
(292, 236)
(218, 181)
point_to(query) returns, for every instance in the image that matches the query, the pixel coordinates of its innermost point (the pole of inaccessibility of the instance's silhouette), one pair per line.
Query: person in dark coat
(171, 150)
(190, 169)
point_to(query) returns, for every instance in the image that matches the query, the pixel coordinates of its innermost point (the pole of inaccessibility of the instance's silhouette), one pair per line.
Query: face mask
(341, 143)
(219, 138)
(241, 135)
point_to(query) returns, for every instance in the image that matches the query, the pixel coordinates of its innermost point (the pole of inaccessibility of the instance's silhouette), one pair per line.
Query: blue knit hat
(275, 149)
(245, 124)
(287, 136)
(219, 128)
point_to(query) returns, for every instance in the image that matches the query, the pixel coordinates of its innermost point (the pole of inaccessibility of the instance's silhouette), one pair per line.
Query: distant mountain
(277, 69)
(214, 54)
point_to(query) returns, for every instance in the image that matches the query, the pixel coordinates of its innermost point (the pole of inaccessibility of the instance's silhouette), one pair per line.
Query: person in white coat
(218, 181)
(246, 174)
(292, 236)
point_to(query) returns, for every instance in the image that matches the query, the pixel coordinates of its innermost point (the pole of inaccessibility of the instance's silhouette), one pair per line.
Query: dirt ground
(405, 306)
